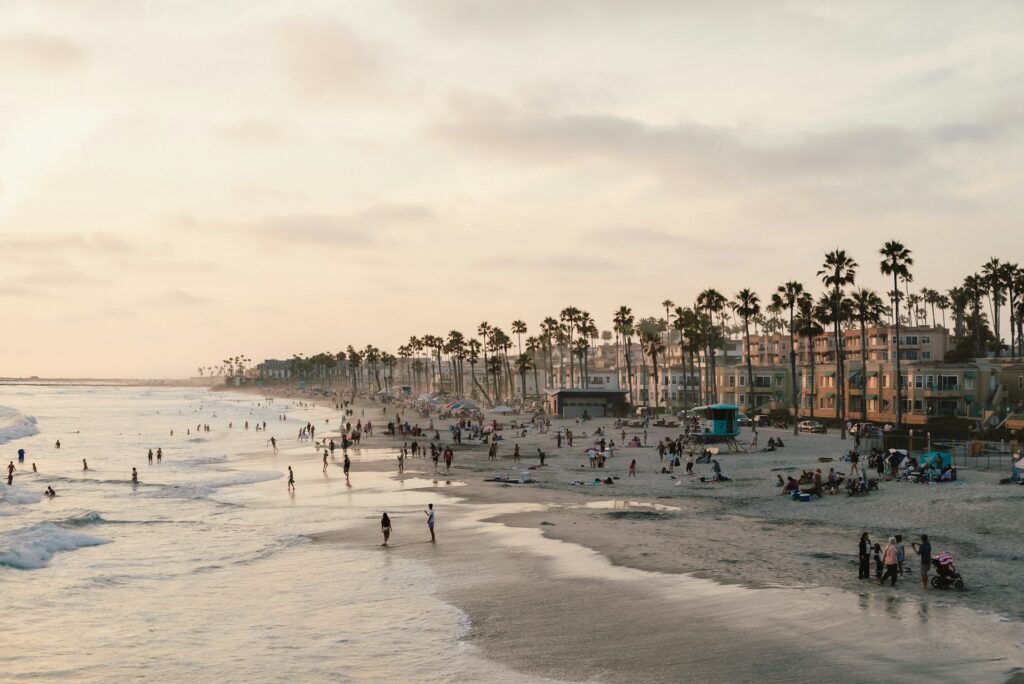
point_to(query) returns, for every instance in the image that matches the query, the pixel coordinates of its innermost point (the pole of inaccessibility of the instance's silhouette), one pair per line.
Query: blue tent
(939, 458)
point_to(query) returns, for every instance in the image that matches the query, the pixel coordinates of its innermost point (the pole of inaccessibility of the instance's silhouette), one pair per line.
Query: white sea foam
(14, 425)
(33, 547)
(13, 496)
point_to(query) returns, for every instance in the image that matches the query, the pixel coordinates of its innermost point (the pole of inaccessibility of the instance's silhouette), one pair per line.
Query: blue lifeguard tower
(717, 424)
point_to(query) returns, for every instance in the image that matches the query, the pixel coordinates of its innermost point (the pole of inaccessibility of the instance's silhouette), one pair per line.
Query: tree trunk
(899, 392)
(792, 368)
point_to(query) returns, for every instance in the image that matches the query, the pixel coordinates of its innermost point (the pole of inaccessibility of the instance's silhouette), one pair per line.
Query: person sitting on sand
(50, 492)
(716, 472)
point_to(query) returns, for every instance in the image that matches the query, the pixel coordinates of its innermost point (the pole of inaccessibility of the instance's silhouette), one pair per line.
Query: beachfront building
(274, 369)
(596, 403)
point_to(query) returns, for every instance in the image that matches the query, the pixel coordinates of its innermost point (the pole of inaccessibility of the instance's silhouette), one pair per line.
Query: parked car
(811, 426)
(743, 420)
(762, 420)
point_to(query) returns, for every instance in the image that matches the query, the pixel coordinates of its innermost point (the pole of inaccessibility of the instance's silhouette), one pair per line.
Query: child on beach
(632, 468)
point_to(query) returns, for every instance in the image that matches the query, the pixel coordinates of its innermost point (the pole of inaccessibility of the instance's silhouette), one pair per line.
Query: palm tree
(711, 302)
(809, 329)
(549, 329)
(523, 364)
(994, 282)
(473, 356)
(519, 329)
(868, 308)
(569, 315)
(896, 261)
(650, 342)
(484, 331)
(786, 297)
(533, 345)
(1009, 276)
(747, 305)
(623, 323)
(838, 271)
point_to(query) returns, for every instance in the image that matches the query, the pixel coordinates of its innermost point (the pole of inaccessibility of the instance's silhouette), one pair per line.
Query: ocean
(206, 568)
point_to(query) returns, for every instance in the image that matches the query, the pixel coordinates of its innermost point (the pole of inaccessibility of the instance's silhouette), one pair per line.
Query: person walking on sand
(864, 556)
(346, 465)
(325, 460)
(135, 476)
(85, 466)
(924, 550)
(430, 522)
(273, 443)
(515, 454)
(291, 480)
(385, 528)
(889, 561)
(449, 455)
(632, 468)
(401, 462)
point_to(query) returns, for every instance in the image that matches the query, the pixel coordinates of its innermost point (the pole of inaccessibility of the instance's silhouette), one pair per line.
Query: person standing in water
(430, 522)
(385, 528)
(85, 466)
(159, 454)
(273, 443)
(345, 466)
(291, 480)
(150, 457)
(135, 476)
(325, 460)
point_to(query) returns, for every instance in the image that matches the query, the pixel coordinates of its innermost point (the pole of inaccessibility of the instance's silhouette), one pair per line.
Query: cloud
(685, 150)
(178, 298)
(327, 57)
(360, 228)
(98, 242)
(45, 51)
(249, 131)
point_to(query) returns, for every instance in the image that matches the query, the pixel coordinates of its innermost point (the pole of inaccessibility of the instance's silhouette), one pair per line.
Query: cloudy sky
(185, 181)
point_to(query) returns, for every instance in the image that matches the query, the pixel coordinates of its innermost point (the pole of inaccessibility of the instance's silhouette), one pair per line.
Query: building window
(969, 382)
(948, 383)
(918, 381)
(926, 355)
(925, 339)
(929, 382)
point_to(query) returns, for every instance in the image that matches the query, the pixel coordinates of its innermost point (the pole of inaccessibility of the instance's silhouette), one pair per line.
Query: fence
(972, 453)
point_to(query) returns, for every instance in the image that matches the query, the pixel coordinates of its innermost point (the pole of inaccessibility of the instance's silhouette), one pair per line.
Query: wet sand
(728, 581)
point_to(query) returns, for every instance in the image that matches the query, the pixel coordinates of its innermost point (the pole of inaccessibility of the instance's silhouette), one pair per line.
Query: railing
(976, 454)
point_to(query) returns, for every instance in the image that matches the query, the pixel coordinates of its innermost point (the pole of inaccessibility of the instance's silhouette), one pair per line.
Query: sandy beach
(610, 582)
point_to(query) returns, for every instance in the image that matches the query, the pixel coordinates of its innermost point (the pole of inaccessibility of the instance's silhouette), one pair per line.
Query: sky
(182, 182)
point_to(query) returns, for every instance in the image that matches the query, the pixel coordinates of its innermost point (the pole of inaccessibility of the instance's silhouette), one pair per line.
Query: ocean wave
(16, 496)
(33, 547)
(201, 490)
(15, 425)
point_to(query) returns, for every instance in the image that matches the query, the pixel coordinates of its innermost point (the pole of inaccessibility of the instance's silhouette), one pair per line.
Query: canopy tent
(941, 459)
(503, 409)
(424, 397)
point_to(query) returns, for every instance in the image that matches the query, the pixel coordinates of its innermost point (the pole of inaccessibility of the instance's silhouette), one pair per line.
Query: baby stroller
(946, 572)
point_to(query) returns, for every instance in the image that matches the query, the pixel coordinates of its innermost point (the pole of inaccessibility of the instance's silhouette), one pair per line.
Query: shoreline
(712, 537)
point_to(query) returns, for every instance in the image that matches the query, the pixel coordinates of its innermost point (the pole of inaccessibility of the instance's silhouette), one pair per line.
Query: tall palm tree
(1009, 275)
(808, 329)
(838, 271)
(533, 345)
(650, 342)
(712, 302)
(569, 315)
(868, 308)
(623, 323)
(994, 282)
(747, 305)
(549, 328)
(473, 348)
(786, 297)
(484, 331)
(896, 261)
(519, 329)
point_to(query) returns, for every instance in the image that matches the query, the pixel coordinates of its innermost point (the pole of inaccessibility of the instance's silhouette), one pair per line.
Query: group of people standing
(889, 559)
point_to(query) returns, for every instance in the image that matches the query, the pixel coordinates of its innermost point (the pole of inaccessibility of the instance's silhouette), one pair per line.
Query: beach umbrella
(503, 409)
(470, 405)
